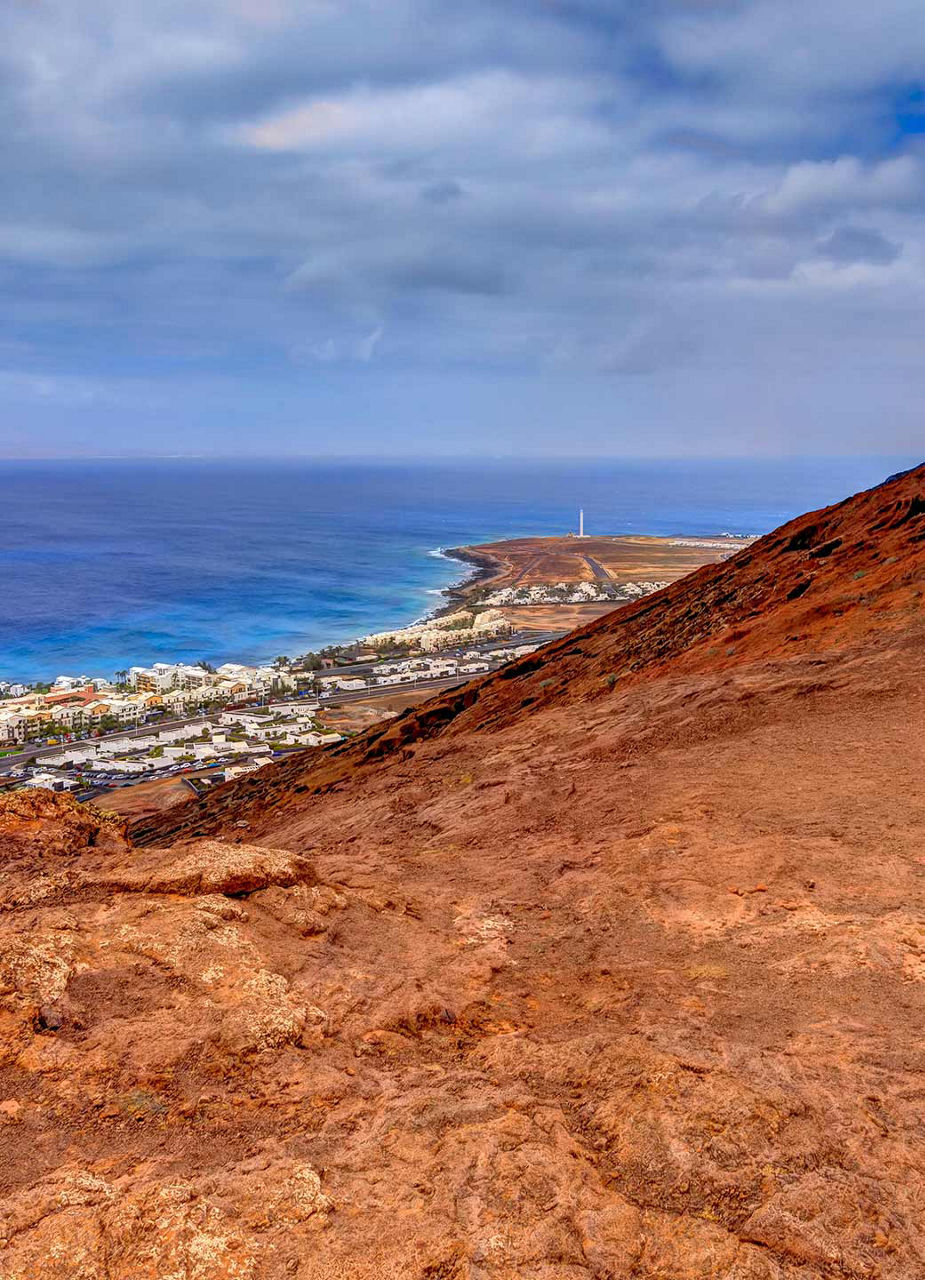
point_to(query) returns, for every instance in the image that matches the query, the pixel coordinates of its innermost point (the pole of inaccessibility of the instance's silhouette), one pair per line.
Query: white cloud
(773, 47)
(366, 347)
(847, 184)
(545, 115)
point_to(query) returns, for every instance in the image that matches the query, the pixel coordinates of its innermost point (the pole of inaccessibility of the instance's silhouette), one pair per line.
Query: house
(236, 770)
(156, 679)
(441, 666)
(235, 671)
(243, 719)
(13, 725)
(50, 781)
(345, 683)
(71, 757)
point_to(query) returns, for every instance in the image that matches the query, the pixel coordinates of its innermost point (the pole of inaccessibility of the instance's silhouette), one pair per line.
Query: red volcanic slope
(610, 966)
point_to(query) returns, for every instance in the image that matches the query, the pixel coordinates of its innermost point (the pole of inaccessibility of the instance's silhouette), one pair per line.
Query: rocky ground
(608, 966)
(142, 798)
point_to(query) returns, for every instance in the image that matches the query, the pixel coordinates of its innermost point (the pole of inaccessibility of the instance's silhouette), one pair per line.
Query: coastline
(453, 596)
(487, 564)
(484, 567)
(337, 552)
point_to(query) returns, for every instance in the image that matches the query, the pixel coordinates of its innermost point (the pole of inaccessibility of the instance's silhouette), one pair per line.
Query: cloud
(391, 270)
(545, 114)
(442, 192)
(846, 183)
(366, 347)
(858, 244)
(285, 193)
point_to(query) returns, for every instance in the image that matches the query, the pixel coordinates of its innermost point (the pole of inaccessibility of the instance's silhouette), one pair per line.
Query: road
(483, 646)
(37, 753)
(602, 574)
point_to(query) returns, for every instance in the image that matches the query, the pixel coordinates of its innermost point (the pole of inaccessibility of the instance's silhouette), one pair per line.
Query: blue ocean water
(105, 564)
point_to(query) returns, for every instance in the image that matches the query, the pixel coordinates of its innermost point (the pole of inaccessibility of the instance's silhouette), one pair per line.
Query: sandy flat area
(556, 617)
(536, 561)
(529, 562)
(357, 716)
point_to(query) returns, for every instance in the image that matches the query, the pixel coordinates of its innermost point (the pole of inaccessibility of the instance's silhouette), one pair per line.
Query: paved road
(528, 568)
(602, 574)
(37, 753)
(482, 646)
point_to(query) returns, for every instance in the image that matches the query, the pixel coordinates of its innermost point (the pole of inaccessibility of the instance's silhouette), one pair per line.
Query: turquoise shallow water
(104, 564)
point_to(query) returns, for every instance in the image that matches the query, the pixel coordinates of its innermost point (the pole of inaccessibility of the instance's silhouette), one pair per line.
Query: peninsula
(547, 583)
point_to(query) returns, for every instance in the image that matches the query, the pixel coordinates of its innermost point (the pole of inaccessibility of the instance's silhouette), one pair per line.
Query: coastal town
(572, 593)
(89, 736)
(202, 725)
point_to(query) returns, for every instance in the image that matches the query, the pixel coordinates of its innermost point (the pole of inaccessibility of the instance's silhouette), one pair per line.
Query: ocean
(106, 564)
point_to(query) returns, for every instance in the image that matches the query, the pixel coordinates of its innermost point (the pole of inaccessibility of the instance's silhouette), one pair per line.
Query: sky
(503, 227)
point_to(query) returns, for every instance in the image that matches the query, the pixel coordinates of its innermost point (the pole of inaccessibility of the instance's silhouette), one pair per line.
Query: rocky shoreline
(484, 567)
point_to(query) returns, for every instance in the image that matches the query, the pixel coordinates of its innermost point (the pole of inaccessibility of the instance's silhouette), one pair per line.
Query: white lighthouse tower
(581, 523)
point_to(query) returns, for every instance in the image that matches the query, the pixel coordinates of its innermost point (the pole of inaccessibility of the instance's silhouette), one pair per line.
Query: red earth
(609, 966)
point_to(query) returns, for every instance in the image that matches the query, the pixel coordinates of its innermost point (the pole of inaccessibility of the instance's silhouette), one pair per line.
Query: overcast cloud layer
(546, 226)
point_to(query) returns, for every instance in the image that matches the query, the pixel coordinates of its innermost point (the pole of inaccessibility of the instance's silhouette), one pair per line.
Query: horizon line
(436, 458)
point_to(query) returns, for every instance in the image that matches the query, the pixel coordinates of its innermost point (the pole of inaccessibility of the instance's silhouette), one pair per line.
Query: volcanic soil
(610, 965)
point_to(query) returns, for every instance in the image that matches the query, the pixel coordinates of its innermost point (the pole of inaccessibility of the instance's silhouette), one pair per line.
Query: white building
(243, 719)
(13, 725)
(348, 684)
(50, 781)
(236, 770)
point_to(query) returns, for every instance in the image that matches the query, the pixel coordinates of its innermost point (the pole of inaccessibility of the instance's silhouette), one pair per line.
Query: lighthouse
(581, 523)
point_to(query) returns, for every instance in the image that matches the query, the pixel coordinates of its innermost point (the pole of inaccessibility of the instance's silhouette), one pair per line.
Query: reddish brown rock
(557, 977)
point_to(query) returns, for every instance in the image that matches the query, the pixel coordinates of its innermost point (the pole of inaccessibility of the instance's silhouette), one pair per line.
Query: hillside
(609, 966)
(826, 582)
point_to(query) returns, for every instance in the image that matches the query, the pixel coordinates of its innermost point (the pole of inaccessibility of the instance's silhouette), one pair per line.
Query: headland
(547, 583)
